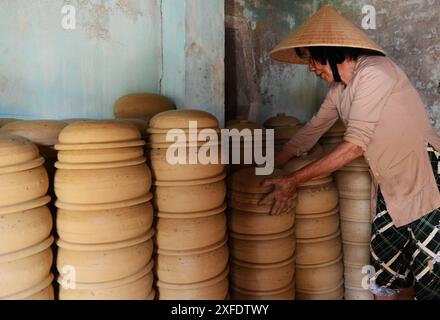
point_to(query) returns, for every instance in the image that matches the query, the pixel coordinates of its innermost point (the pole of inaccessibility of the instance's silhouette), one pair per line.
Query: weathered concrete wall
(408, 30)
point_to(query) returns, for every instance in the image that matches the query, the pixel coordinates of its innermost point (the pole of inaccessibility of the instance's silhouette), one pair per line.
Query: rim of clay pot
(268, 237)
(153, 131)
(341, 285)
(281, 120)
(192, 215)
(23, 166)
(318, 215)
(104, 206)
(352, 243)
(30, 251)
(357, 289)
(320, 265)
(264, 293)
(322, 239)
(100, 165)
(190, 182)
(106, 246)
(264, 266)
(284, 213)
(112, 284)
(353, 265)
(355, 220)
(323, 181)
(196, 285)
(194, 252)
(159, 146)
(109, 145)
(250, 196)
(33, 204)
(34, 290)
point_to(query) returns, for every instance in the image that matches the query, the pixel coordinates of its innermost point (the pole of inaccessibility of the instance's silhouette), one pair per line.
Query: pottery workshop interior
(219, 150)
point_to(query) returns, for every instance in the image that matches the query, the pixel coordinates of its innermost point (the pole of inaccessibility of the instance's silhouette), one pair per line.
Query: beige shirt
(384, 115)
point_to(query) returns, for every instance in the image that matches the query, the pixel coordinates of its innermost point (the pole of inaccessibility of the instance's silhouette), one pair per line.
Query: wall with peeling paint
(408, 30)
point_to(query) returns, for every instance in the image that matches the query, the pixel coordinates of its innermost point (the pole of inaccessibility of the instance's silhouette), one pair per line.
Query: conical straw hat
(326, 28)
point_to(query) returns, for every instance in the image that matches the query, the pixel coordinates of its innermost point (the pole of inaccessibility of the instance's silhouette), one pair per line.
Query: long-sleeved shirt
(384, 115)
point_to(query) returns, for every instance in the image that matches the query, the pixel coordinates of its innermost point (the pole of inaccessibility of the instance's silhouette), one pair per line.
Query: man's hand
(282, 198)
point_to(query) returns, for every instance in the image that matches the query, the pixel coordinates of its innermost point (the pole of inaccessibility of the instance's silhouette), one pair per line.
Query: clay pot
(192, 266)
(42, 291)
(264, 249)
(319, 277)
(212, 289)
(249, 202)
(281, 120)
(99, 146)
(102, 185)
(320, 197)
(356, 230)
(134, 287)
(25, 269)
(163, 138)
(318, 225)
(105, 262)
(73, 120)
(318, 250)
(262, 277)
(140, 124)
(98, 131)
(356, 253)
(298, 163)
(287, 293)
(180, 119)
(40, 132)
(354, 183)
(190, 196)
(355, 209)
(353, 275)
(330, 143)
(180, 231)
(100, 155)
(23, 182)
(24, 225)
(246, 181)
(164, 171)
(141, 105)
(16, 150)
(259, 223)
(4, 121)
(357, 294)
(104, 226)
(336, 293)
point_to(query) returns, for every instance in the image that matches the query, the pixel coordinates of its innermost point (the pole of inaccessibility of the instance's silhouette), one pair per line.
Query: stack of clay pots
(319, 267)
(262, 245)
(191, 238)
(104, 217)
(25, 222)
(285, 127)
(333, 137)
(354, 185)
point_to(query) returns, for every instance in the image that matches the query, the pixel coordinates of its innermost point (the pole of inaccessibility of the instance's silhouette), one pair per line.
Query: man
(387, 124)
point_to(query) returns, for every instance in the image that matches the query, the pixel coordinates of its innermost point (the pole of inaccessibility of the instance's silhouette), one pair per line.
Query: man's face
(322, 71)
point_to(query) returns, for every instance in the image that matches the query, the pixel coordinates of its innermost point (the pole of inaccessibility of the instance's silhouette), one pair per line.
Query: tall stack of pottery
(25, 222)
(262, 245)
(354, 185)
(319, 267)
(333, 137)
(141, 106)
(285, 127)
(104, 217)
(191, 238)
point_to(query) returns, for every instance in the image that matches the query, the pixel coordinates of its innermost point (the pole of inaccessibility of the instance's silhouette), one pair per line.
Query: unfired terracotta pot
(40, 132)
(285, 126)
(355, 209)
(24, 269)
(320, 277)
(23, 182)
(356, 253)
(105, 262)
(16, 150)
(180, 231)
(141, 105)
(246, 181)
(42, 291)
(190, 196)
(100, 155)
(318, 198)
(25, 226)
(337, 130)
(318, 250)
(330, 143)
(356, 230)
(102, 185)
(262, 277)
(4, 121)
(353, 275)
(357, 294)
(264, 249)
(309, 226)
(166, 137)
(134, 287)
(141, 124)
(259, 223)
(104, 226)
(250, 202)
(212, 289)
(336, 293)
(353, 183)
(287, 293)
(174, 119)
(192, 266)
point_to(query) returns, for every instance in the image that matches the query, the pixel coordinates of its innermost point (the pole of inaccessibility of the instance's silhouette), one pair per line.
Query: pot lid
(179, 119)
(247, 181)
(105, 131)
(16, 150)
(40, 132)
(142, 105)
(281, 120)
